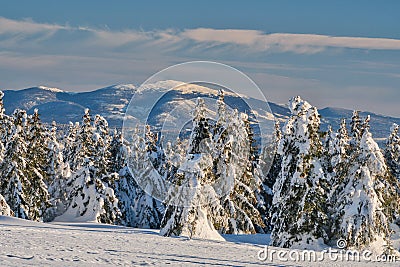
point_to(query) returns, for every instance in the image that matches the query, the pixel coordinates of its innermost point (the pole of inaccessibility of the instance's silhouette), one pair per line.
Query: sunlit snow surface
(26, 243)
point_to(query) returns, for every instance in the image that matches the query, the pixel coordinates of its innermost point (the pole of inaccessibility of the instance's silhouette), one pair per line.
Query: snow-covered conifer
(356, 126)
(392, 151)
(367, 201)
(5, 126)
(265, 194)
(37, 167)
(59, 173)
(70, 142)
(92, 198)
(4, 208)
(142, 209)
(241, 203)
(298, 206)
(193, 202)
(14, 183)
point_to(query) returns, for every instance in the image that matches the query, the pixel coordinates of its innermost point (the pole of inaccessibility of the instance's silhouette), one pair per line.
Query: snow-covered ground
(26, 243)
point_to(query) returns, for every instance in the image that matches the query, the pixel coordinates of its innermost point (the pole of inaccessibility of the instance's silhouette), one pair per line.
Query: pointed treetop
(343, 124)
(200, 109)
(366, 125)
(221, 95)
(395, 128)
(329, 130)
(298, 105)
(278, 131)
(244, 116)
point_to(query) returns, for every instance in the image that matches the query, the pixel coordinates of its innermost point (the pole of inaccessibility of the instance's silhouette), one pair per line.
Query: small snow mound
(51, 89)
(310, 243)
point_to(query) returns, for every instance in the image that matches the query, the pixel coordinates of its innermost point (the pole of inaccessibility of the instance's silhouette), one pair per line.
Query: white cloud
(27, 27)
(12, 31)
(298, 43)
(241, 37)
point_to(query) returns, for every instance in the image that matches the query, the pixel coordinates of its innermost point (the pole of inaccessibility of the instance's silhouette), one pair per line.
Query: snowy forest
(322, 185)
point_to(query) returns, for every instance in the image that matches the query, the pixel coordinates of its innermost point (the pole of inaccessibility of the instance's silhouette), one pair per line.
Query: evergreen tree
(336, 163)
(192, 203)
(14, 183)
(356, 126)
(59, 174)
(5, 125)
(92, 197)
(265, 194)
(367, 201)
(118, 152)
(4, 208)
(142, 207)
(241, 203)
(125, 187)
(392, 151)
(299, 202)
(101, 145)
(36, 167)
(70, 141)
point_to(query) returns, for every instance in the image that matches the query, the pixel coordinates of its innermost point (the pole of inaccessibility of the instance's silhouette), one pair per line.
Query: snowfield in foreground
(26, 243)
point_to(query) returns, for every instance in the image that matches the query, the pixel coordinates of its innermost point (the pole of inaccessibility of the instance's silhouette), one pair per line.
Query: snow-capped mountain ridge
(112, 101)
(51, 89)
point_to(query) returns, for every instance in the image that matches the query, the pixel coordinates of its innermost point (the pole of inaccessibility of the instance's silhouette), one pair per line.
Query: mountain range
(112, 102)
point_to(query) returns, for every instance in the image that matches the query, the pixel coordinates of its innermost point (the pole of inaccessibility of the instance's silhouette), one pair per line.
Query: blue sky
(336, 53)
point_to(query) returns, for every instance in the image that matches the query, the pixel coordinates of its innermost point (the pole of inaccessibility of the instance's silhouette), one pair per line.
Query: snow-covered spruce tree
(37, 167)
(141, 208)
(367, 201)
(14, 183)
(336, 152)
(118, 152)
(392, 151)
(241, 203)
(5, 126)
(235, 156)
(336, 164)
(4, 208)
(299, 202)
(59, 174)
(176, 154)
(70, 143)
(125, 186)
(356, 125)
(92, 198)
(193, 203)
(222, 149)
(265, 194)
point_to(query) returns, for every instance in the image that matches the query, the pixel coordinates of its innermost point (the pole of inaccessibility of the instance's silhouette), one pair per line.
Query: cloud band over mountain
(13, 31)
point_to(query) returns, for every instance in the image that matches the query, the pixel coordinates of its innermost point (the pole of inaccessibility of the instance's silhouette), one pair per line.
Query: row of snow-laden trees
(321, 187)
(334, 185)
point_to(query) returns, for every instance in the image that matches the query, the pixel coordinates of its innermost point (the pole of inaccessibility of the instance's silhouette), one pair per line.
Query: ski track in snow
(26, 243)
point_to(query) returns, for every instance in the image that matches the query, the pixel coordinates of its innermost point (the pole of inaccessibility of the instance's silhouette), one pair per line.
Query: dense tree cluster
(321, 187)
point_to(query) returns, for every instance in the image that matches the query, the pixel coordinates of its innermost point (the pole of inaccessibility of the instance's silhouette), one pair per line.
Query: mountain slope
(112, 101)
